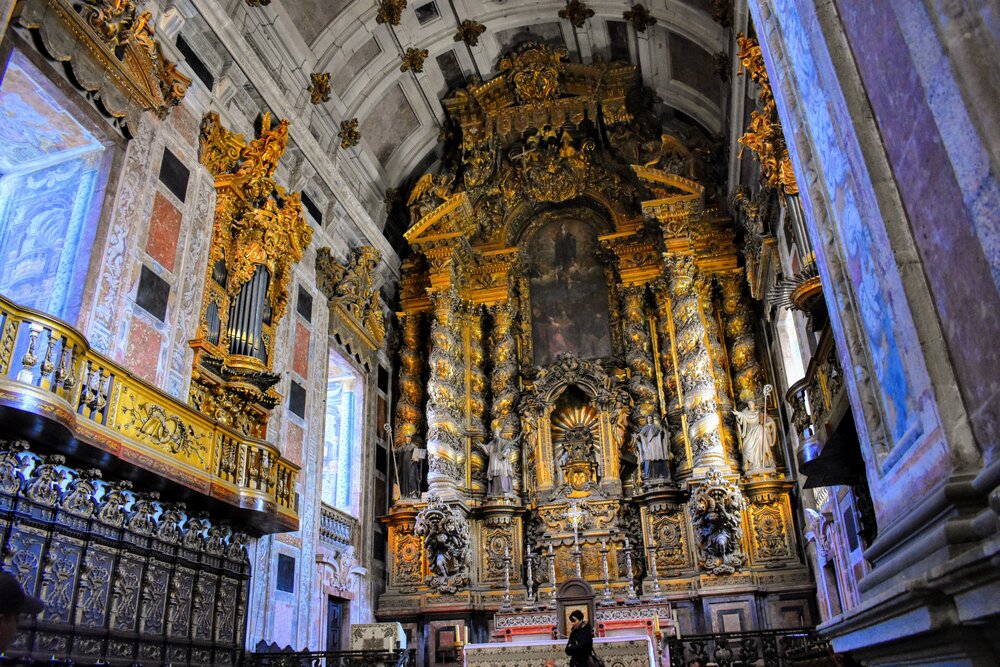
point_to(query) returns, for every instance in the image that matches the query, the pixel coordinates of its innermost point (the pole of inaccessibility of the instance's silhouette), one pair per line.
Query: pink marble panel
(164, 229)
(293, 443)
(300, 359)
(142, 352)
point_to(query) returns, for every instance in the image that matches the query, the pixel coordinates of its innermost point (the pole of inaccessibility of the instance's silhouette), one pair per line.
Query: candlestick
(529, 602)
(632, 597)
(677, 626)
(656, 622)
(577, 556)
(653, 571)
(608, 600)
(506, 581)
(552, 577)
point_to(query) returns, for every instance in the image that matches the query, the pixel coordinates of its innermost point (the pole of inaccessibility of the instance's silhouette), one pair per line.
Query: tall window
(343, 436)
(53, 170)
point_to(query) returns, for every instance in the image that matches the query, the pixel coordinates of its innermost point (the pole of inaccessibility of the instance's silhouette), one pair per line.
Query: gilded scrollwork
(445, 533)
(352, 286)
(717, 516)
(258, 235)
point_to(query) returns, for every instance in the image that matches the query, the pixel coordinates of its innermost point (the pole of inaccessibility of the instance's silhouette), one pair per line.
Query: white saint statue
(500, 472)
(652, 445)
(758, 433)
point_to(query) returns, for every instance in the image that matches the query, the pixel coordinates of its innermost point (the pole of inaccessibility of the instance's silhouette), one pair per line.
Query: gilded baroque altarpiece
(574, 338)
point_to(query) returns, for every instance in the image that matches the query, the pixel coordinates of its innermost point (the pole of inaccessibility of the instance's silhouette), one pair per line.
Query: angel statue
(759, 433)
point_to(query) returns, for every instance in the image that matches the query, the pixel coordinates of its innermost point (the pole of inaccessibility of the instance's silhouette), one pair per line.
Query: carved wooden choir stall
(580, 396)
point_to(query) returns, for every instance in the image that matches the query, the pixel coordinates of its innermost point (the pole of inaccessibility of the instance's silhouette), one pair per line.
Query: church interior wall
(900, 209)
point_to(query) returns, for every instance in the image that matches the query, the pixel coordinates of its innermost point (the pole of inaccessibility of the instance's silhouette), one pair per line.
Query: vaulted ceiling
(400, 113)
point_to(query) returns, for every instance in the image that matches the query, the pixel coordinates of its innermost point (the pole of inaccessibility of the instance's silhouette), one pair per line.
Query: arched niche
(571, 401)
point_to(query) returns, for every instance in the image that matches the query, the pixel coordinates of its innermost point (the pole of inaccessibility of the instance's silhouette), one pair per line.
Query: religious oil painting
(569, 296)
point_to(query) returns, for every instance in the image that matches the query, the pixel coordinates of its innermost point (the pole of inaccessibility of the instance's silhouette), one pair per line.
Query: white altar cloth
(635, 651)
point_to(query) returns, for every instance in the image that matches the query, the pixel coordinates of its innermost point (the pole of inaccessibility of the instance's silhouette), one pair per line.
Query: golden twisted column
(408, 413)
(745, 370)
(672, 397)
(695, 365)
(444, 434)
(475, 397)
(638, 354)
(504, 381)
(720, 368)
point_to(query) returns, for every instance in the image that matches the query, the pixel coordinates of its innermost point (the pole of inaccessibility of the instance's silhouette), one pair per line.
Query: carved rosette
(666, 522)
(716, 508)
(695, 363)
(746, 372)
(445, 444)
(638, 354)
(504, 381)
(405, 551)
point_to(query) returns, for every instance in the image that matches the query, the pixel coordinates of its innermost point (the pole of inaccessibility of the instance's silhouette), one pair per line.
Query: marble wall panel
(950, 205)
(164, 229)
(142, 354)
(872, 321)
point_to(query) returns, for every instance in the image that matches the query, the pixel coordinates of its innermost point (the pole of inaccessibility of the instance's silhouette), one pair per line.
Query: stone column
(504, 381)
(638, 354)
(444, 435)
(743, 366)
(688, 291)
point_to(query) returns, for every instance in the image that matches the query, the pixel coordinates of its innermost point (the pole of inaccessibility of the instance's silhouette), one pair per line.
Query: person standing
(13, 604)
(581, 640)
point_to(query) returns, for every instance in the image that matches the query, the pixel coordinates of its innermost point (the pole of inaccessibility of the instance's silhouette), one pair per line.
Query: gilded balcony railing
(47, 369)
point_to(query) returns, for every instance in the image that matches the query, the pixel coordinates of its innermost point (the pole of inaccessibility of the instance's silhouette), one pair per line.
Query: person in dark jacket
(581, 640)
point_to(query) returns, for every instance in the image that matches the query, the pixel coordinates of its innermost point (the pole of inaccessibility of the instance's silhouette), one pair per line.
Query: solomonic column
(408, 413)
(444, 434)
(638, 354)
(696, 361)
(672, 396)
(745, 370)
(504, 382)
(475, 391)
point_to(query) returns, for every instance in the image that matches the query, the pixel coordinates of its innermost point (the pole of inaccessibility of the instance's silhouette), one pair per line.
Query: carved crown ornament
(122, 63)
(319, 87)
(259, 233)
(352, 291)
(469, 32)
(390, 11)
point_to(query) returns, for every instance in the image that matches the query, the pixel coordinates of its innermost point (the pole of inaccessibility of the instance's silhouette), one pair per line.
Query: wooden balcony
(64, 397)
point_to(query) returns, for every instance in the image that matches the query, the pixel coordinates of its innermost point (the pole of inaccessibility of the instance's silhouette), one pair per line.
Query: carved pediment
(121, 62)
